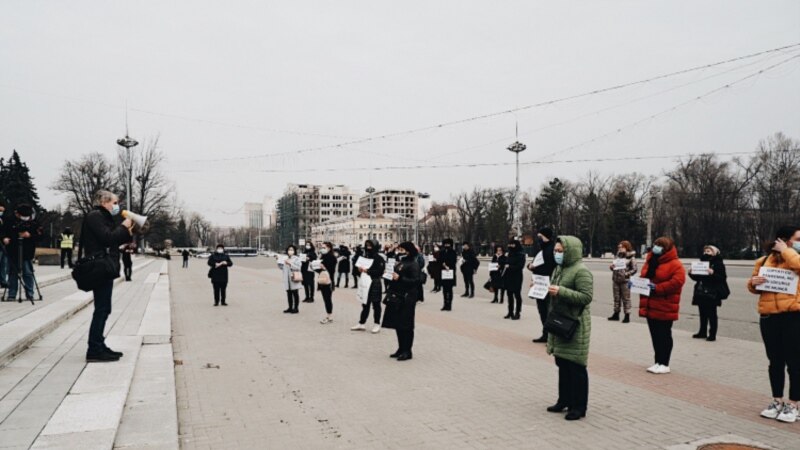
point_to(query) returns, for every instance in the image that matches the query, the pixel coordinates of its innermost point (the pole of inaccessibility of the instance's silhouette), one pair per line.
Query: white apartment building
(352, 231)
(403, 202)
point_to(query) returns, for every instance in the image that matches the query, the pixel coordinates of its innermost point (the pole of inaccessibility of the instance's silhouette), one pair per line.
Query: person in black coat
(328, 264)
(127, 259)
(308, 274)
(448, 259)
(435, 269)
(546, 244)
(219, 262)
(404, 288)
(356, 254)
(343, 267)
(24, 230)
(375, 294)
(512, 279)
(496, 276)
(185, 255)
(710, 289)
(100, 234)
(421, 262)
(469, 267)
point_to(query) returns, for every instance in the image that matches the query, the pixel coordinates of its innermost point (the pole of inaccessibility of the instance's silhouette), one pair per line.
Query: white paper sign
(389, 269)
(640, 286)
(316, 264)
(301, 242)
(782, 281)
(448, 275)
(540, 285)
(282, 259)
(620, 264)
(296, 263)
(700, 268)
(538, 260)
(363, 263)
(494, 267)
(364, 284)
(302, 257)
(431, 258)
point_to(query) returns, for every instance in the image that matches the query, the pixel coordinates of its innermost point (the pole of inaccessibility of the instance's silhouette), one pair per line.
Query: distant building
(352, 231)
(254, 215)
(402, 202)
(304, 206)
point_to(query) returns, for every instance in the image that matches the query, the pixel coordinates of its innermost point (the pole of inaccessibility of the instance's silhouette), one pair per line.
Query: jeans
(293, 297)
(781, 335)
(327, 297)
(102, 309)
(219, 292)
(708, 319)
(27, 278)
(573, 385)
(661, 335)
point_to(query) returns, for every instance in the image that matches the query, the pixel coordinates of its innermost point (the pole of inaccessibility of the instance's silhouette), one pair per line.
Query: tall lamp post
(370, 191)
(420, 196)
(128, 143)
(517, 147)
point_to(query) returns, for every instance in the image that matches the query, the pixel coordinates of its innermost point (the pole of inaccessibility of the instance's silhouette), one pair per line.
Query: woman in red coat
(667, 277)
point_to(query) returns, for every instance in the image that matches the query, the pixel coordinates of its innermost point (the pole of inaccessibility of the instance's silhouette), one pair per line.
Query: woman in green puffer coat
(570, 293)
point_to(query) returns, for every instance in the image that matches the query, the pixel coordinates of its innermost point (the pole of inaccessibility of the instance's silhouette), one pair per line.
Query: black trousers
(355, 280)
(437, 284)
(102, 309)
(405, 340)
(219, 292)
(66, 253)
(309, 290)
(293, 297)
(502, 293)
(447, 295)
(128, 272)
(421, 292)
(661, 335)
(185, 263)
(469, 282)
(541, 305)
(346, 279)
(781, 335)
(514, 301)
(573, 385)
(327, 297)
(708, 319)
(376, 308)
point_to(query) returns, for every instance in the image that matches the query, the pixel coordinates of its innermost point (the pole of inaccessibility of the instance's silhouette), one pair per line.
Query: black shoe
(285, 311)
(224, 304)
(541, 340)
(306, 301)
(627, 318)
(404, 356)
(508, 316)
(574, 414)
(614, 316)
(516, 317)
(395, 354)
(471, 295)
(699, 336)
(464, 295)
(102, 356)
(216, 304)
(557, 408)
(711, 338)
(494, 301)
(118, 354)
(294, 311)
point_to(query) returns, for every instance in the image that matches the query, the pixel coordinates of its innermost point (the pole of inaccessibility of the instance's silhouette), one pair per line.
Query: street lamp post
(370, 191)
(420, 196)
(127, 142)
(517, 147)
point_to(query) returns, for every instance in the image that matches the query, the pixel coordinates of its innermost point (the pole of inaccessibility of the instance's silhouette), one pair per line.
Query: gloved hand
(652, 289)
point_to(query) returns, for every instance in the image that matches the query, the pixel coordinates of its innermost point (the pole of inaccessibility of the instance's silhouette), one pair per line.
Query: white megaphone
(137, 219)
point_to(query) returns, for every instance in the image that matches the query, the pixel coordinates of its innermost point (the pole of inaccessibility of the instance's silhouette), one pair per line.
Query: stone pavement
(249, 376)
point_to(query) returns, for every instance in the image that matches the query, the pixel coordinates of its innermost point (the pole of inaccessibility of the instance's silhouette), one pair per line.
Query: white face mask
(323, 251)
(290, 253)
(220, 250)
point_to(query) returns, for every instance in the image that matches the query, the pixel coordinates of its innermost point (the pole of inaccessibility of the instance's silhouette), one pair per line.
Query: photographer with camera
(20, 238)
(101, 234)
(3, 251)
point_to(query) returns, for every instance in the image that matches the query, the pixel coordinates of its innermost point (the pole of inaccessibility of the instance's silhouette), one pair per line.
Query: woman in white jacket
(292, 279)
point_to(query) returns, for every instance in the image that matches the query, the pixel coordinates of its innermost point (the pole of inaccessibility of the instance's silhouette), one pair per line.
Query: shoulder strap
(80, 241)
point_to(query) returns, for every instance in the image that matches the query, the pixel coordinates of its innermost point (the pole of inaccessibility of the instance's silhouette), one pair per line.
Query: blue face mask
(796, 246)
(1, 213)
(559, 257)
(657, 249)
(115, 210)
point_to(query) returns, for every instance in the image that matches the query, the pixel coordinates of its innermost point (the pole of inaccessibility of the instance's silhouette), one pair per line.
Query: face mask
(436, 249)
(1, 213)
(621, 254)
(559, 257)
(401, 256)
(657, 249)
(705, 257)
(220, 250)
(368, 249)
(115, 210)
(796, 246)
(290, 253)
(323, 251)
(308, 247)
(24, 218)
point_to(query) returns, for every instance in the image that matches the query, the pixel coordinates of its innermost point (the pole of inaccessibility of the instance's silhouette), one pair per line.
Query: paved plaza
(249, 376)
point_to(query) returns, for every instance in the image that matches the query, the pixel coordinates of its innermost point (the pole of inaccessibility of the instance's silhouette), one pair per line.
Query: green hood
(573, 250)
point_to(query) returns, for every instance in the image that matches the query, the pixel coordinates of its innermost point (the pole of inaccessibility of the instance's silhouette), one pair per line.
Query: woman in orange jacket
(780, 323)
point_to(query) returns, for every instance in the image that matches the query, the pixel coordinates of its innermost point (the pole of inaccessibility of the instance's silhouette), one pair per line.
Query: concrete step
(18, 334)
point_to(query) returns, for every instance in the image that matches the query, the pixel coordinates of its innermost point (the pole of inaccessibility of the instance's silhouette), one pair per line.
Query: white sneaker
(653, 368)
(359, 327)
(788, 414)
(662, 369)
(376, 329)
(326, 320)
(773, 410)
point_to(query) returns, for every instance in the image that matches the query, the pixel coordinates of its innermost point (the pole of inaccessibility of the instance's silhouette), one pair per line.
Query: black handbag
(91, 271)
(561, 325)
(423, 278)
(393, 297)
(704, 293)
(489, 286)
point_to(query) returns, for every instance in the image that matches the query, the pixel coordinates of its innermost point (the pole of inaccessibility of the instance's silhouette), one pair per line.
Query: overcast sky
(232, 79)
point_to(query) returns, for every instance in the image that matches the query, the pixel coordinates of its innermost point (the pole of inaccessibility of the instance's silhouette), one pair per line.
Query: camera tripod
(20, 279)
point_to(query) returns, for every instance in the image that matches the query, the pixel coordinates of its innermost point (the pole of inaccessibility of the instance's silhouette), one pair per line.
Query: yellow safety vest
(66, 240)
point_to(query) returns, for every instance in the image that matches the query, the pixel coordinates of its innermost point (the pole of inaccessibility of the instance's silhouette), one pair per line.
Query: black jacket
(497, 274)
(549, 260)
(512, 279)
(358, 253)
(449, 258)
(329, 263)
(219, 274)
(101, 233)
(718, 282)
(401, 316)
(471, 262)
(12, 229)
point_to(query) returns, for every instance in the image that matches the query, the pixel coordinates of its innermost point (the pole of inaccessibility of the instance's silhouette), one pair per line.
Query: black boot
(557, 408)
(575, 414)
(614, 316)
(627, 318)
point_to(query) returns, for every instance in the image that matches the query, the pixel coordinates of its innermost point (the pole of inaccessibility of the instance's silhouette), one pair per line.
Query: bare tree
(80, 179)
(152, 192)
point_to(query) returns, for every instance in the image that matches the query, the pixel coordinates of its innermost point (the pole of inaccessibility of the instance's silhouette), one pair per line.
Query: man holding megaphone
(139, 221)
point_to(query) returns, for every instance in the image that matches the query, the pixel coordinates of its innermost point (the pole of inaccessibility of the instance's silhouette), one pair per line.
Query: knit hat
(546, 232)
(714, 250)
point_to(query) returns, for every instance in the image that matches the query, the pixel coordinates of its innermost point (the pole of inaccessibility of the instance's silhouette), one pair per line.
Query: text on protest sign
(363, 263)
(493, 267)
(620, 264)
(540, 285)
(640, 286)
(782, 281)
(700, 267)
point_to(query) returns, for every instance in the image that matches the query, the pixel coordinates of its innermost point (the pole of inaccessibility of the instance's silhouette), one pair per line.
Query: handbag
(703, 292)
(324, 278)
(561, 325)
(489, 286)
(423, 278)
(89, 272)
(297, 277)
(392, 297)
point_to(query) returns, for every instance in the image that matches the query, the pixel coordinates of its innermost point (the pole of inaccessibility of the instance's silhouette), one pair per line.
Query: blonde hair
(103, 196)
